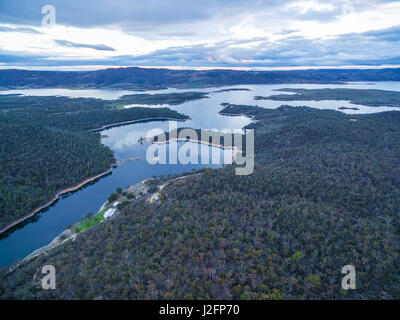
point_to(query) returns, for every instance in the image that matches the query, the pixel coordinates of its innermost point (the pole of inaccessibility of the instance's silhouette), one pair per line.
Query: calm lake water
(45, 226)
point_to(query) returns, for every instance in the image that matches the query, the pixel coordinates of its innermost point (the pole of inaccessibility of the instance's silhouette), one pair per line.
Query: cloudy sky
(258, 34)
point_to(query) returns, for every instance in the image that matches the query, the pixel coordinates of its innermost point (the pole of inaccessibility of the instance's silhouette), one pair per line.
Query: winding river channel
(41, 229)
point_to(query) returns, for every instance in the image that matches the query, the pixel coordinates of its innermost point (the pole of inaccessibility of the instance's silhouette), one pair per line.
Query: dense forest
(80, 114)
(161, 98)
(151, 78)
(45, 146)
(325, 193)
(368, 97)
(37, 161)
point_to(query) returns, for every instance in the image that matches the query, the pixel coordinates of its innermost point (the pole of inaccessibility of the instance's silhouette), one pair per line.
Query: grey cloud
(22, 58)
(321, 16)
(369, 48)
(286, 31)
(390, 34)
(360, 49)
(136, 15)
(18, 29)
(66, 43)
(103, 12)
(203, 19)
(161, 19)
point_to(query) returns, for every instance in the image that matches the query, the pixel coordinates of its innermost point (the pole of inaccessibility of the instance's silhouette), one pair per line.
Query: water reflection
(46, 225)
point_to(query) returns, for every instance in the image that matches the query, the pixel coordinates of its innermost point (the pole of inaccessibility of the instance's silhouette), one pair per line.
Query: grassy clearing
(90, 222)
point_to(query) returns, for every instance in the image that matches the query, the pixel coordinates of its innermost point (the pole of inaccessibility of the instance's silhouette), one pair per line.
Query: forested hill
(148, 78)
(368, 97)
(45, 146)
(325, 193)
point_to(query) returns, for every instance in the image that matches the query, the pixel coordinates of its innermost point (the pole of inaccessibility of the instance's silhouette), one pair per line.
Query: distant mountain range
(146, 78)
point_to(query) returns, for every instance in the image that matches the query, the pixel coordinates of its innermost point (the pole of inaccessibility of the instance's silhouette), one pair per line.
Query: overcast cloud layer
(186, 33)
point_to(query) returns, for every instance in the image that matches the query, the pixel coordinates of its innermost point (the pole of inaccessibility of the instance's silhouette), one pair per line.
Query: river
(46, 225)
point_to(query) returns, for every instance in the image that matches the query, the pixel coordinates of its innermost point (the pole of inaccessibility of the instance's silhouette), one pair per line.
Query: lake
(123, 141)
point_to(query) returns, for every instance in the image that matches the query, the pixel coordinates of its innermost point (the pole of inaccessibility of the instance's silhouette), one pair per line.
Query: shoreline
(90, 179)
(234, 148)
(82, 183)
(57, 195)
(70, 235)
(251, 117)
(107, 126)
(54, 199)
(193, 141)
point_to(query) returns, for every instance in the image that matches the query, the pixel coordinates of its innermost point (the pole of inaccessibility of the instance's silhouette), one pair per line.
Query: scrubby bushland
(325, 193)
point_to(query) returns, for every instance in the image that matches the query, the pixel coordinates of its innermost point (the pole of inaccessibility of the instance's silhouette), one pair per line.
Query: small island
(348, 108)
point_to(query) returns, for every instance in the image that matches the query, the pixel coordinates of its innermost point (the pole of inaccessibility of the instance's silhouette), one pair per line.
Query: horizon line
(287, 68)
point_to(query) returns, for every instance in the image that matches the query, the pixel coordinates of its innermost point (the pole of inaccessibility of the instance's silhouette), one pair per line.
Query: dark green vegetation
(44, 146)
(36, 162)
(232, 89)
(325, 193)
(162, 98)
(144, 78)
(81, 114)
(367, 97)
(348, 108)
